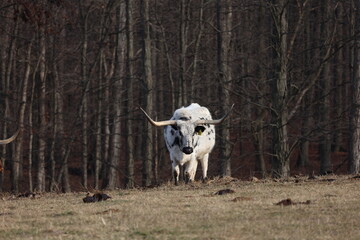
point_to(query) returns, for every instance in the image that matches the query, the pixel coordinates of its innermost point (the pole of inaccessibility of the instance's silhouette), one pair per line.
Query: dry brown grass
(193, 212)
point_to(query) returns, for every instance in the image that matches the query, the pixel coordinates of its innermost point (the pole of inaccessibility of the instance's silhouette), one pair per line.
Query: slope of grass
(326, 209)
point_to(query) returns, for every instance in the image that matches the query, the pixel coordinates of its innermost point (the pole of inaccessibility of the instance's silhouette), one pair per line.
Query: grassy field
(327, 208)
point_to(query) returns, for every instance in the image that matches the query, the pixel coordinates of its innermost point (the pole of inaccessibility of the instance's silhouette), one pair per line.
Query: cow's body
(188, 135)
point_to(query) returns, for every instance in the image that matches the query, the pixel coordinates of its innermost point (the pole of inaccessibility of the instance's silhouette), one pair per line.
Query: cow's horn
(216, 121)
(160, 123)
(10, 139)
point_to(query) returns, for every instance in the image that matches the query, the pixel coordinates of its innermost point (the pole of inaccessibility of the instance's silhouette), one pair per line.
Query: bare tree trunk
(41, 181)
(18, 148)
(113, 175)
(259, 139)
(198, 41)
(148, 93)
(64, 175)
(100, 86)
(59, 98)
(325, 119)
(280, 141)
(224, 26)
(3, 41)
(259, 134)
(129, 176)
(354, 159)
(109, 72)
(182, 56)
(174, 99)
(98, 143)
(304, 143)
(31, 126)
(31, 141)
(339, 61)
(6, 88)
(85, 84)
(305, 131)
(163, 106)
(58, 71)
(54, 114)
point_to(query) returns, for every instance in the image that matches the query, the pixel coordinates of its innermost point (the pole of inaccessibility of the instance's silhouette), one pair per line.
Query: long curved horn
(160, 123)
(10, 139)
(216, 121)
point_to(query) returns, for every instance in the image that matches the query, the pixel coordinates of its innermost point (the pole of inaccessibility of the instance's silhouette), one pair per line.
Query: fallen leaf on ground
(97, 197)
(224, 191)
(288, 202)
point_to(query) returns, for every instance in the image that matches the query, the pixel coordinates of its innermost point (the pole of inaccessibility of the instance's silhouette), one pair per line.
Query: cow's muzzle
(187, 150)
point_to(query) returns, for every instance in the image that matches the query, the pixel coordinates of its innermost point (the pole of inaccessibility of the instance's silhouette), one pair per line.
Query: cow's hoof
(187, 178)
(205, 180)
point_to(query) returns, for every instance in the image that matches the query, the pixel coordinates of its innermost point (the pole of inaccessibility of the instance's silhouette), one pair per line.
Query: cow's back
(192, 113)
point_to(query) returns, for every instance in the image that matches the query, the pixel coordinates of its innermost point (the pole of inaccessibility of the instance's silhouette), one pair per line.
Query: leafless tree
(354, 162)
(224, 26)
(148, 92)
(129, 176)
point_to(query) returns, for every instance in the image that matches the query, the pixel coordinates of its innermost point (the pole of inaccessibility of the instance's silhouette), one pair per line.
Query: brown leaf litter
(97, 197)
(224, 191)
(288, 202)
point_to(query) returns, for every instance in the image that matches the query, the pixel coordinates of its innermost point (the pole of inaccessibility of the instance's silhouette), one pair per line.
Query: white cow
(189, 137)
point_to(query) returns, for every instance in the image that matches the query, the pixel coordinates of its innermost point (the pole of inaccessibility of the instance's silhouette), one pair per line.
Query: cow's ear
(199, 129)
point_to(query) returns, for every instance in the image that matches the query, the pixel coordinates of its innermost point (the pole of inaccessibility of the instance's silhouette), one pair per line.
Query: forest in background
(74, 74)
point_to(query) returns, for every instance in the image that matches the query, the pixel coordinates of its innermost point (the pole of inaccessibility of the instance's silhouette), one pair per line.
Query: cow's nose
(187, 150)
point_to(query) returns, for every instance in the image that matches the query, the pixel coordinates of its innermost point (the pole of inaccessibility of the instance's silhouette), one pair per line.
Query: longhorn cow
(189, 137)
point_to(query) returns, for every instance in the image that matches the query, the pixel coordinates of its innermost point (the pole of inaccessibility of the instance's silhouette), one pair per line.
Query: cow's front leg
(204, 166)
(176, 172)
(190, 170)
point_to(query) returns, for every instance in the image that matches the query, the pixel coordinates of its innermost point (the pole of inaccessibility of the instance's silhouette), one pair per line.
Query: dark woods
(74, 73)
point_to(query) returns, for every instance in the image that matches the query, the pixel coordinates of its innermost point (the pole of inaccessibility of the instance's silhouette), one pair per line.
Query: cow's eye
(199, 129)
(174, 127)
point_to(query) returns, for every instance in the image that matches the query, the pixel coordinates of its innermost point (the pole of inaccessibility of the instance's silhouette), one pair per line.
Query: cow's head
(186, 135)
(186, 131)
